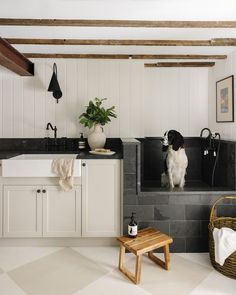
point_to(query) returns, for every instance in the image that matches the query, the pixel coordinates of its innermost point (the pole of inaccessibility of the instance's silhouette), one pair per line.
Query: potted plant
(97, 116)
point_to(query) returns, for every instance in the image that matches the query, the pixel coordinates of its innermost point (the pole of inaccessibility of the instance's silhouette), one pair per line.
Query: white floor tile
(216, 284)
(201, 258)
(13, 257)
(9, 287)
(114, 283)
(181, 279)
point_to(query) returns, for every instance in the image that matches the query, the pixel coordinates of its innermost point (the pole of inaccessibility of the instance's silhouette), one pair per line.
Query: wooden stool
(146, 241)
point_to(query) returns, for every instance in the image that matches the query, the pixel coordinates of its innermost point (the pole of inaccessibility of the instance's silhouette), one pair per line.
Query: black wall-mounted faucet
(49, 125)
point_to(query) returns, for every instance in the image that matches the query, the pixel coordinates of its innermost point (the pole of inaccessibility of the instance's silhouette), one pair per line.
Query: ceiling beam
(13, 60)
(179, 64)
(116, 23)
(118, 42)
(124, 56)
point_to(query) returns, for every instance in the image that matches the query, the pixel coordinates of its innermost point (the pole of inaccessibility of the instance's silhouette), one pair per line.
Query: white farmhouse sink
(36, 165)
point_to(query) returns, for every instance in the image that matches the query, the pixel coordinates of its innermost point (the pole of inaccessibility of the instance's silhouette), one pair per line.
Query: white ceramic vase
(97, 138)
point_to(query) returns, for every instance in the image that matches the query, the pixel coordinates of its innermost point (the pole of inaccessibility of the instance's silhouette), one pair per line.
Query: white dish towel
(225, 243)
(64, 168)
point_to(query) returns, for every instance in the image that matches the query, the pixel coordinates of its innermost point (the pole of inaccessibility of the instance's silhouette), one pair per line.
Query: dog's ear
(165, 148)
(178, 141)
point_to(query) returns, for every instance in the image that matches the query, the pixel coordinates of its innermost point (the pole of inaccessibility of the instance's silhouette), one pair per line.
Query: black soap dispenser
(81, 144)
(132, 227)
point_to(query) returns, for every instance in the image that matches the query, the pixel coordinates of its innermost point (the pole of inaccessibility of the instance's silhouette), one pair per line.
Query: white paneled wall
(221, 70)
(148, 100)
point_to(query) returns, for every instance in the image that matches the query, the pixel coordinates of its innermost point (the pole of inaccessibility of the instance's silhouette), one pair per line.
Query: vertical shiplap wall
(222, 70)
(148, 100)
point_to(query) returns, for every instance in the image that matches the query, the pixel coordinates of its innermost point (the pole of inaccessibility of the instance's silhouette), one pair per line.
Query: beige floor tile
(13, 257)
(9, 287)
(216, 284)
(108, 257)
(112, 284)
(61, 273)
(182, 277)
(1, 271)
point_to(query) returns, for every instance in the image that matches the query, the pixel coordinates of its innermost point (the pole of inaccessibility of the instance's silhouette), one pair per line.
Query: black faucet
(49, 125)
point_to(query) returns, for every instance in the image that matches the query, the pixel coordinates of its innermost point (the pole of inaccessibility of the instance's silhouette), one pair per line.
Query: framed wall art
(225, 100)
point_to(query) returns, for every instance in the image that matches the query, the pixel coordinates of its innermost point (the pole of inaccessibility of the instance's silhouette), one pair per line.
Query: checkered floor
(93, 270)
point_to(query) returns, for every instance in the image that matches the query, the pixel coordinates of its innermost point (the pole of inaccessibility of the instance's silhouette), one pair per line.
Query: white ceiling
(119, 9)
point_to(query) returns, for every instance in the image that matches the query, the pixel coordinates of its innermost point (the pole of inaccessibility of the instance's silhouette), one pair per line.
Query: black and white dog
(176, 160)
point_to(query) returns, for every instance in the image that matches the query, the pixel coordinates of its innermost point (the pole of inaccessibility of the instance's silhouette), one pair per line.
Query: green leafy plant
(97, 114)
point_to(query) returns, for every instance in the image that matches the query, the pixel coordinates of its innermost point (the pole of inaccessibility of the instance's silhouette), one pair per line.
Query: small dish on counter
(101, 151)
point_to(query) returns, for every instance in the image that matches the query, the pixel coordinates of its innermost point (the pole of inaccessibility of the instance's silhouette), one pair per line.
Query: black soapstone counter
(10, 147)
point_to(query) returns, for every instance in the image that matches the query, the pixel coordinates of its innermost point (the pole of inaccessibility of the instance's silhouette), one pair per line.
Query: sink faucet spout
(49, 126)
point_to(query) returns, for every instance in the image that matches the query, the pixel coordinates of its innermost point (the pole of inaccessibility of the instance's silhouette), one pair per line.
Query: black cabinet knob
(44, 191)
(83, 164)
(38, 191)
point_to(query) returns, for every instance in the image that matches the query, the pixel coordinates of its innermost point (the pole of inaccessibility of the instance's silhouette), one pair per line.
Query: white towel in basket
(225, 243)
(64, 168)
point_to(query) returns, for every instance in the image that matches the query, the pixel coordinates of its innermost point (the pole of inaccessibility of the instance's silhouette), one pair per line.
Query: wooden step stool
(146, 241)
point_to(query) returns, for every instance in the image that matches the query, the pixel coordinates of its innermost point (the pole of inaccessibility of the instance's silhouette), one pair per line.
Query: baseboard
(58, 242)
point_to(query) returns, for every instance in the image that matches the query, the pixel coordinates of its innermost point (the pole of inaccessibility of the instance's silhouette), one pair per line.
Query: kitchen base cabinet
(100, 198)
(37, 207)
(36, 211)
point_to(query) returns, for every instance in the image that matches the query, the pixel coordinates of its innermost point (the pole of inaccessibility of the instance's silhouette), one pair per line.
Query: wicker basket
(229, 267)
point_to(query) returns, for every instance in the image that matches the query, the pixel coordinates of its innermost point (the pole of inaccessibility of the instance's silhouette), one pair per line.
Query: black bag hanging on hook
(54, 85)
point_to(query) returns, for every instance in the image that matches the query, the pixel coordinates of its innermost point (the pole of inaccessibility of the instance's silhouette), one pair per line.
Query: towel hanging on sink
(64, 168)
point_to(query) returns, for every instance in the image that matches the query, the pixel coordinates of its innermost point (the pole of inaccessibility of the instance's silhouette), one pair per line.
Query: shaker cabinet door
(61, 212)
(22, 211)
(100, 198)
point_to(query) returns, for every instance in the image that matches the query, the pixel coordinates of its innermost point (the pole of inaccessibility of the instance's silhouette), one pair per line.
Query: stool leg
(167, 256)
(138, 269)
(121, 256)
(134, 278)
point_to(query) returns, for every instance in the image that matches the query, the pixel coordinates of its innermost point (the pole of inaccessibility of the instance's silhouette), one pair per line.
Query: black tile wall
(184, 216)
(169, 212)
(197, 212)
(185, 228)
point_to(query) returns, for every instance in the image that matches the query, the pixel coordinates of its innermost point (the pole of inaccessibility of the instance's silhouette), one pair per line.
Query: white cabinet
(100, 198)
(39, 208)
(61, 212)
(1, 209)
(22, 211)
(36, 211)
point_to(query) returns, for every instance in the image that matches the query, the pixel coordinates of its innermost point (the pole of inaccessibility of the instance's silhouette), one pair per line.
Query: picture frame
(225, 100)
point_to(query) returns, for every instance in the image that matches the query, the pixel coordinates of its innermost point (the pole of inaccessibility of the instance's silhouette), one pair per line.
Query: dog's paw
(171, 187)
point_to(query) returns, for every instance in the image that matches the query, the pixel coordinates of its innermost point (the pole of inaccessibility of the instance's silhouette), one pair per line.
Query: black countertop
(80, 155)
(7, 155)
(10, 147)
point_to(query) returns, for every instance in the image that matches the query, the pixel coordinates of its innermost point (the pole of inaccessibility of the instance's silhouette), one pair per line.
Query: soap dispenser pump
(81, 144)
(132, 227)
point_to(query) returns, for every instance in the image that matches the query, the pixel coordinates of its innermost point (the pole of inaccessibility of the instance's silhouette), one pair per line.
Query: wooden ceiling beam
(178, 64)
(124, 56)
(120, 42)
(13, 60)
(116, 23)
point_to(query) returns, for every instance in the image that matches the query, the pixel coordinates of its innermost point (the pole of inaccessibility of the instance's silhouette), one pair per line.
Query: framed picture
(225, 100)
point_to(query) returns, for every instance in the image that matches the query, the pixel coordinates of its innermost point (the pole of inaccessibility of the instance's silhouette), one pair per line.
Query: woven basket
(229, 267)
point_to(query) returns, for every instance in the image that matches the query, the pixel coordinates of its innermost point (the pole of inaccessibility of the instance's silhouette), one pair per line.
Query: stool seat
(146, 241)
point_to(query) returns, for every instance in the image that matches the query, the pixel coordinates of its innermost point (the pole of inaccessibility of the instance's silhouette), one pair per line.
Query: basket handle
(213, 209)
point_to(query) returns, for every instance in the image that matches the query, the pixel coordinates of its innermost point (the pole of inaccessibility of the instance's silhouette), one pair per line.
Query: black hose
(216, 159)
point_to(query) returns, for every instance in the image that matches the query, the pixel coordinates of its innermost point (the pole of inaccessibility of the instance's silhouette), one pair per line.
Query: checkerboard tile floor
(93, 270)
